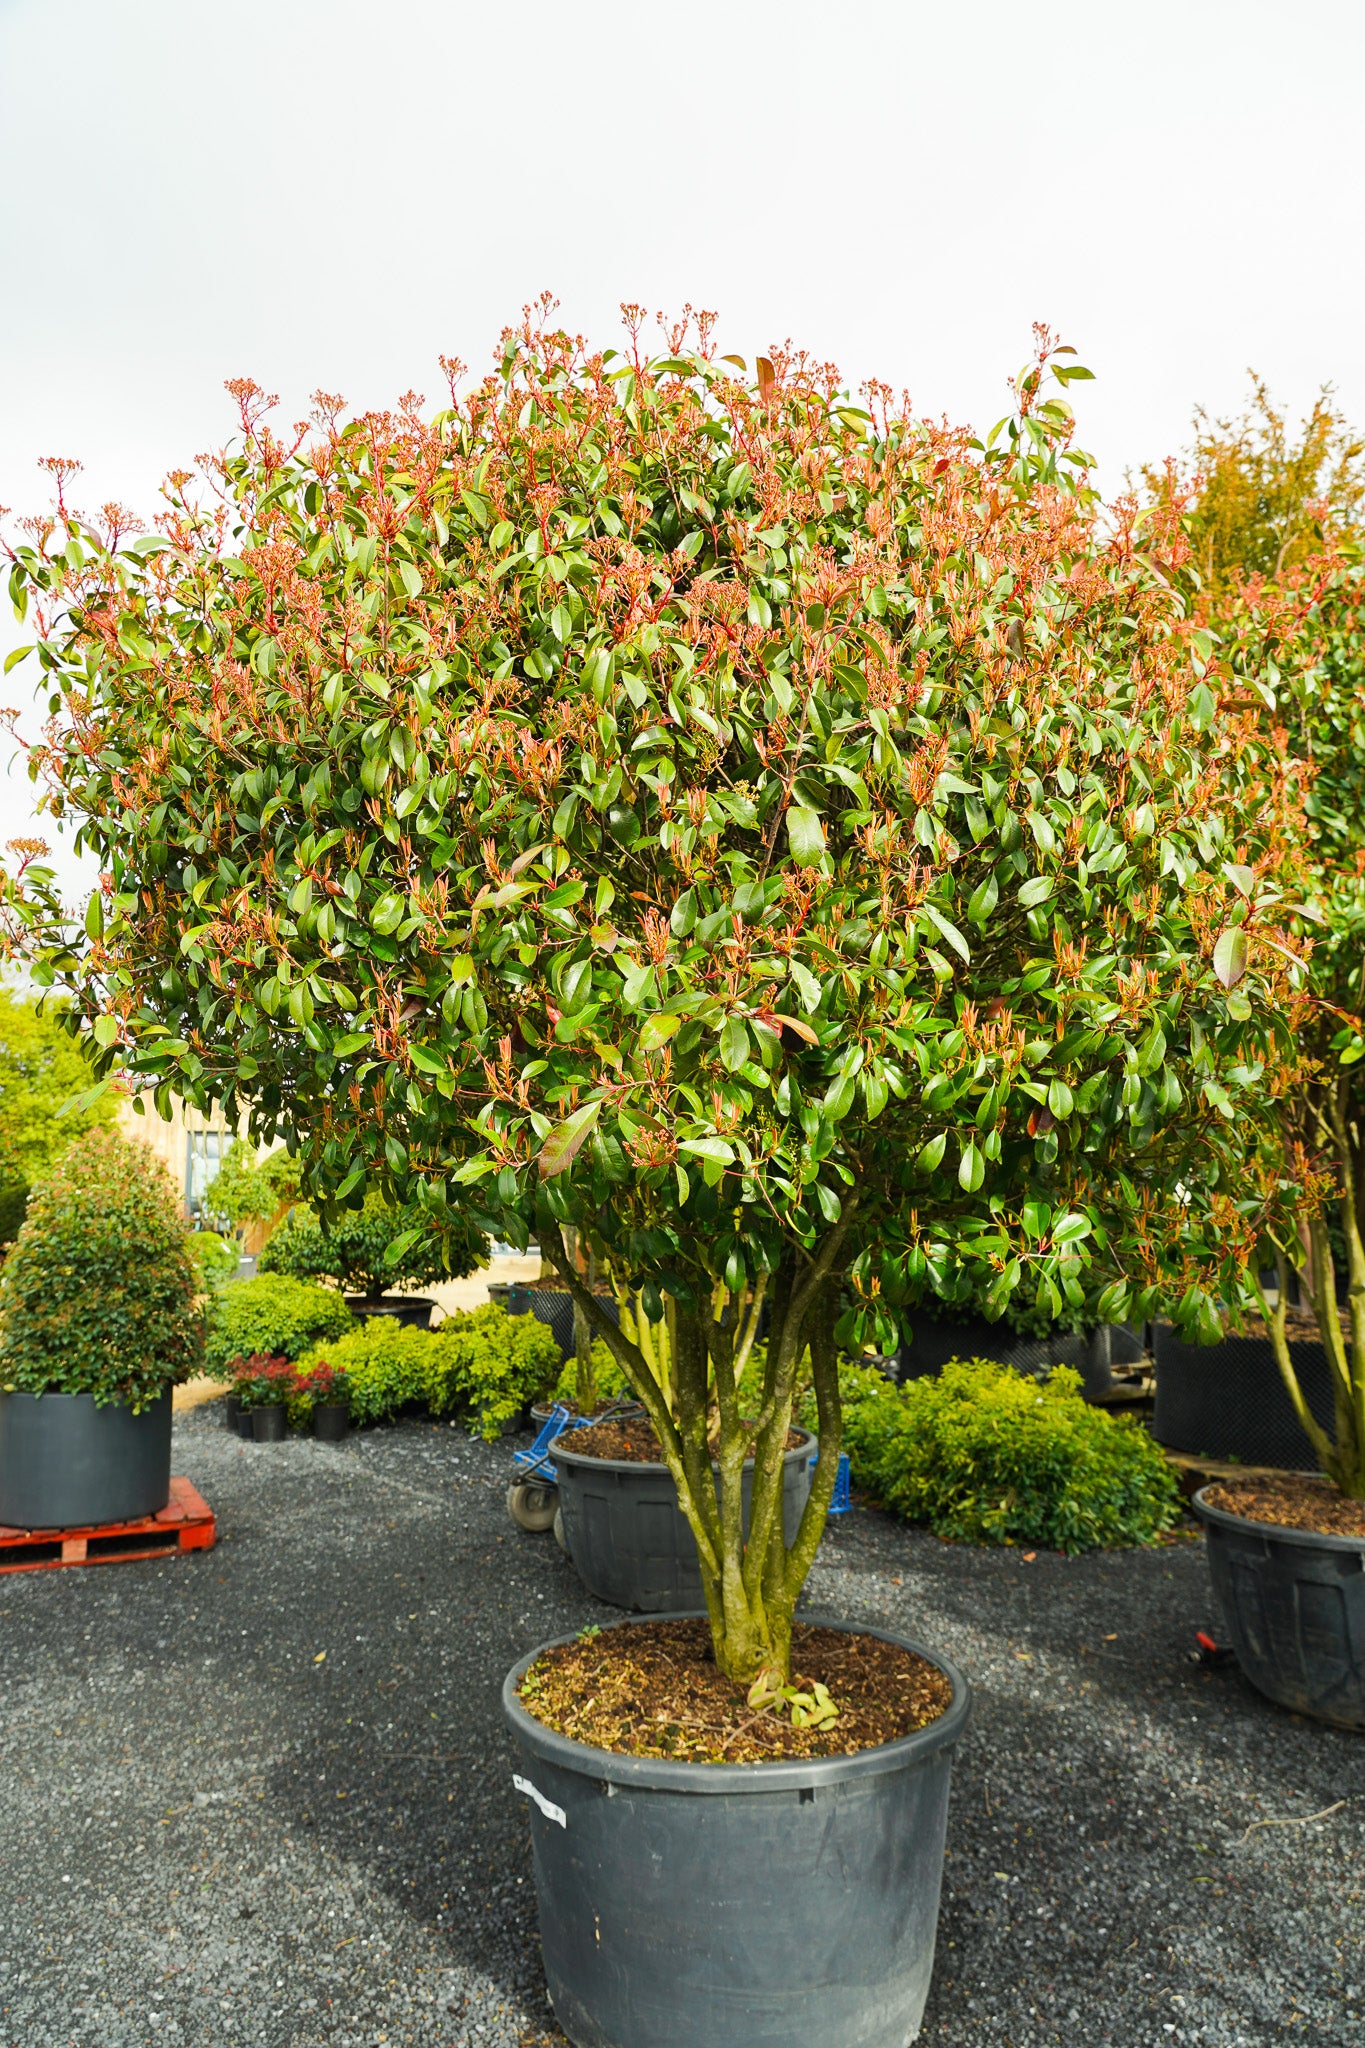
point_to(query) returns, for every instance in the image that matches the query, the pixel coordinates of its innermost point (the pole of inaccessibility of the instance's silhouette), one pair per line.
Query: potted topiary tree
(98, 1320)
(1288, 1554)
(353, 1249)
(783, 840)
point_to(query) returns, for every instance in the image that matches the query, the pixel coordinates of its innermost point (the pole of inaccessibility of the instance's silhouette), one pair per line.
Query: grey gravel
(262, 1796)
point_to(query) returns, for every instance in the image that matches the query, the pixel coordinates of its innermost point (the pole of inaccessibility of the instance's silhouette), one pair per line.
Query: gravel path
(262, 1796)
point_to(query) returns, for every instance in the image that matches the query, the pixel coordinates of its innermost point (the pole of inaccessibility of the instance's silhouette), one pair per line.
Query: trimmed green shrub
(611, 1380)
(498, 1363)
(354, 1250)
(271, 1314)
(215, 1256)
(99, 1293)
(985, 1455)
(486, 1362)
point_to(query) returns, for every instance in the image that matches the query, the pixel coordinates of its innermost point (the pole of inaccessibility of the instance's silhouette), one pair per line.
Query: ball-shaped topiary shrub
(354, 1250)
(271, 1314)
(984, 1454)
(98, 1295)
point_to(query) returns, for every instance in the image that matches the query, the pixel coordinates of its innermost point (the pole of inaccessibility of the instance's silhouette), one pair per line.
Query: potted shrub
(354, 1251)
(98, 1320)
(265, 1389)
(329, 1397)
(779, 838)
(1288, 1555)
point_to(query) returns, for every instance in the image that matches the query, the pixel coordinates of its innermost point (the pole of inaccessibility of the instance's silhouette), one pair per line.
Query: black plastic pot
(627, 1536)
(232, 1408)
(1294, 1604)
(1227, 1401)
(780, 1905)
(412, 1310)
(1092, 1353)
(67, 1464)
(331, 1420)
(552, 1306)
(269, 1425)
(244, 1428)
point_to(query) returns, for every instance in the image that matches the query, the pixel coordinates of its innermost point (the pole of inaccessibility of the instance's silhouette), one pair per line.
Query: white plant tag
(547, 1806)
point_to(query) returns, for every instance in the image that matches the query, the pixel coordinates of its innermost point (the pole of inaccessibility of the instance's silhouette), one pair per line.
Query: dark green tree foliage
(779, 838)
(99, 1293)
(354, 1248)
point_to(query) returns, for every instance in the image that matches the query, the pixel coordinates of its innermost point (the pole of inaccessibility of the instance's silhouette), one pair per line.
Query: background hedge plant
(44, 1073)
(272, 1315)
(98, 1295)
(985, 1454)
(486, 1362)
(354, 1249)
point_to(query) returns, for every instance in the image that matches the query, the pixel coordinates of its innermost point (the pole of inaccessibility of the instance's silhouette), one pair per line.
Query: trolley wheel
(532, 1505)
(560, 1538)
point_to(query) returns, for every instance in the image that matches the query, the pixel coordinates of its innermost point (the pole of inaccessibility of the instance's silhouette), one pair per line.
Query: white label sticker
(547, 1806)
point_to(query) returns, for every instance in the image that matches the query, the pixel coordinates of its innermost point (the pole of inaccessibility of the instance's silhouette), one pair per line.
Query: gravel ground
(255, 1796)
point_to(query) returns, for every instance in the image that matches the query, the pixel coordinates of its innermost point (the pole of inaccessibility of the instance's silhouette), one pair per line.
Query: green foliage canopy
(43, 1069)
(353, 1249)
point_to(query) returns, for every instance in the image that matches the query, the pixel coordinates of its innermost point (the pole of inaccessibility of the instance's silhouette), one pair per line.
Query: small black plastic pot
(244, 1425)
(232, 1408)
(1294, 1604)
(628, 1539)
(412, 1310)
(67, 1464)
(1228, 1401)
(269, 1425)
(331, 1420)
(779, 1905)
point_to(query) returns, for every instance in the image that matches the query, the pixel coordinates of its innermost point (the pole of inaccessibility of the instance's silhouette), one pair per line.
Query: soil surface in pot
(1291, 1503)
(1300, 1327)
(654, 1689)
(632, 1441)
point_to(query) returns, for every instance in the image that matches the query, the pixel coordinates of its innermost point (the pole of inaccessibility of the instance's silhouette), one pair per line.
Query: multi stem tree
(783, 840)
(1300, 643)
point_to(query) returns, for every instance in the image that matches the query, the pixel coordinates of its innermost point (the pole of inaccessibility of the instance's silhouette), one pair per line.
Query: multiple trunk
(1342, 1453)
(751, 1587)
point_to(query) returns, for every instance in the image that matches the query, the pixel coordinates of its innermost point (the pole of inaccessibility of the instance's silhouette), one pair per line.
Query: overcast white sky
(330, 193)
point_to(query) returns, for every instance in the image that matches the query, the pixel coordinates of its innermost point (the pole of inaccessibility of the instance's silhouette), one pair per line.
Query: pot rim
(390, 1300)
(559, 1451)
(56, 1394)
(1307, 1539)
(671, 1774)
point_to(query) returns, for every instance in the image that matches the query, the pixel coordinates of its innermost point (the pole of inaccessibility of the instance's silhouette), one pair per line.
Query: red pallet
(185, 1523)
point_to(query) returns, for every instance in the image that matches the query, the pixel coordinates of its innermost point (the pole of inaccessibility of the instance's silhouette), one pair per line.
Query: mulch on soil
(633, 1441)
(1291, 1503)
(1300, 1327)
(653, 1689)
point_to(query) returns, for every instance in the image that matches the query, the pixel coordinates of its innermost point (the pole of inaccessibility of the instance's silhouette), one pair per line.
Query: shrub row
(984, 1454)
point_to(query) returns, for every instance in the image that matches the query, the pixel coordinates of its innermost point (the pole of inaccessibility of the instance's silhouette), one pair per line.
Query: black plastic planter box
(1227, 1401)
(1294, 1604)
(1092, 1353)
(630, 1541)
(779, 1905)
(67, 1464)
(553, 1306)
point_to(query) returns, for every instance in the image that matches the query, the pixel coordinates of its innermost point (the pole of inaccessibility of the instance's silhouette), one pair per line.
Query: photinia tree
(1301, 643)
(785, 841)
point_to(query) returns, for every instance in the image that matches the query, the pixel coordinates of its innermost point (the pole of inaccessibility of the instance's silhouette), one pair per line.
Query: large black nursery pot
(270, 1424)
(413, 1311)
(331, 1421)
(1294, 1604)
(552, 1306)
(628, 1539)
(1092, 1353)
(778, 1905)
(67, 1464)
(1227, 1401)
